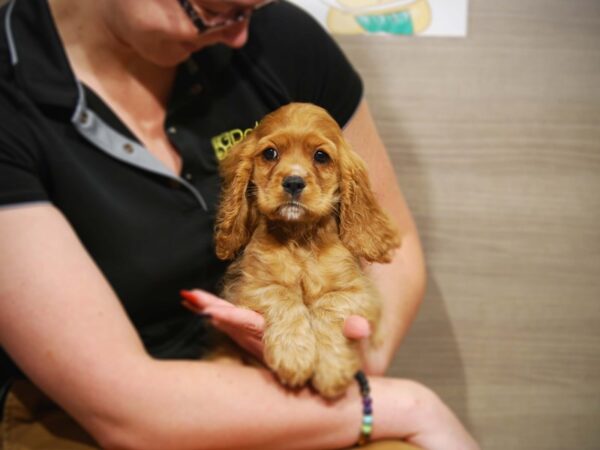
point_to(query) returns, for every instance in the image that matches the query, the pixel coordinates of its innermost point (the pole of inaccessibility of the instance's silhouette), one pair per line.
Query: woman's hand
(411, 411)
(242, 325)
(246, 327)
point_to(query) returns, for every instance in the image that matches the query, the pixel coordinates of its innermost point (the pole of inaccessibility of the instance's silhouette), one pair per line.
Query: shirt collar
(39, 61)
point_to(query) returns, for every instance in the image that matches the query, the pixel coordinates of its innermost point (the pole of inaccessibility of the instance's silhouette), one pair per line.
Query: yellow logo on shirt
(224, 141)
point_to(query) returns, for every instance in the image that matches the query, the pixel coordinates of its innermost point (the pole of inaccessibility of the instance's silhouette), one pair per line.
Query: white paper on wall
(390, 17)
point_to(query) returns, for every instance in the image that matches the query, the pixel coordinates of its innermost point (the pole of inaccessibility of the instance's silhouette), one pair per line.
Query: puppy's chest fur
(310, 268)
(305, 287)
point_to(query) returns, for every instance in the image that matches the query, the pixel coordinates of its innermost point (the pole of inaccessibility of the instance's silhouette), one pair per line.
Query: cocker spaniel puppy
(297, 215)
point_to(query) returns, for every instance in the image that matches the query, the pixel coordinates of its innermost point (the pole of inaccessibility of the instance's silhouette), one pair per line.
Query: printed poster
(390, 17)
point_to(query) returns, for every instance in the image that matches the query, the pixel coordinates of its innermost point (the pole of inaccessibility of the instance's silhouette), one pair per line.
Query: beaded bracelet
(367, 419)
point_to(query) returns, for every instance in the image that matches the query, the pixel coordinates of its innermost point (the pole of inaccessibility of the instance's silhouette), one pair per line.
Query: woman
(113, 116)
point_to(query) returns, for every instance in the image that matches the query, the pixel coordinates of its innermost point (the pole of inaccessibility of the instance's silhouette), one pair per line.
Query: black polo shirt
(148, 229)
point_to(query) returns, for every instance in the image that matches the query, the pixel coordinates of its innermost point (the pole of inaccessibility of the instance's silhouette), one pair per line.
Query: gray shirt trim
(103, 136)
(14, 57)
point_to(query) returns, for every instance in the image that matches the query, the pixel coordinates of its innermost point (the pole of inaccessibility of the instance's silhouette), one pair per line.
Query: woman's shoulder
(13, 117)
(292, 47)
(17, 114)
(285, 25)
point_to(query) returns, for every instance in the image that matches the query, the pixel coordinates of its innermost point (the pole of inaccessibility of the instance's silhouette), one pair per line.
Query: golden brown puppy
(297, 213)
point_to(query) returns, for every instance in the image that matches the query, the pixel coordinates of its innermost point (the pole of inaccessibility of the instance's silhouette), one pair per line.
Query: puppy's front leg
(337, 357)
(289, 342)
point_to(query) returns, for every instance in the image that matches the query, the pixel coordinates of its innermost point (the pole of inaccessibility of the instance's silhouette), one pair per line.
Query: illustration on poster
(395, 17)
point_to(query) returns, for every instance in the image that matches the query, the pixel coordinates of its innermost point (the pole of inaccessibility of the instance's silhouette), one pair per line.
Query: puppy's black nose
(293, 184)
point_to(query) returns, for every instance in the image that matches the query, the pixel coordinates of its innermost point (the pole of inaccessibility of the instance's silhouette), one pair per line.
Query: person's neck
(101, 60)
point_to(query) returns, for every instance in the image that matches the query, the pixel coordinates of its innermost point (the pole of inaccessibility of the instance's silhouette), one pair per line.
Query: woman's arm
(402, 282)
(63, 325)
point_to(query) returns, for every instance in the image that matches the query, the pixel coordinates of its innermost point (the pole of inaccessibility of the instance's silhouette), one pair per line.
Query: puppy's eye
(270, 154)
(321, 157)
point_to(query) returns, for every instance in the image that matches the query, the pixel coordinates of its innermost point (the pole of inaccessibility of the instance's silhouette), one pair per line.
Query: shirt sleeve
(20, 165)
(301, 59)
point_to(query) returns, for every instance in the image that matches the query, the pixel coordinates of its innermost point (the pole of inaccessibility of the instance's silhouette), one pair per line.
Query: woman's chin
(235, 36)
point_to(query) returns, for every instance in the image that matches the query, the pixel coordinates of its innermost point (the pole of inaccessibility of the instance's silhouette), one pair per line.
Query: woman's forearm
(196, 405)
(401, 284)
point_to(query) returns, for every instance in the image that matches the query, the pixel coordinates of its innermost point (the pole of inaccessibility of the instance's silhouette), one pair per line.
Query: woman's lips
(233, 35)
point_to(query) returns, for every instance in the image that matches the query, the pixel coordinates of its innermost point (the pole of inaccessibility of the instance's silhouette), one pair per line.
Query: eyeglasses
(207, 21)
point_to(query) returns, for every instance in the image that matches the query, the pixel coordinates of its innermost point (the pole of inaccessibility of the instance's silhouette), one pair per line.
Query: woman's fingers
(239, 318)
(223, 312)
(357, 327)
(202, 299)
(242, 325)
(250, 342)
(193, 308)
(247, 327)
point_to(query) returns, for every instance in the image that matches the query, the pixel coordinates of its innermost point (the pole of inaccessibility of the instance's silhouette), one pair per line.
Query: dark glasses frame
(202, 23)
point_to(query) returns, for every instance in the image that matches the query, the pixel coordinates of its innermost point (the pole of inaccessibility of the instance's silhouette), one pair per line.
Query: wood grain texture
(496, 142)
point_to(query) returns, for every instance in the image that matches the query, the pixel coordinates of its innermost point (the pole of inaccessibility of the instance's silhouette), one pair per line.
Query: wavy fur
(297, 256)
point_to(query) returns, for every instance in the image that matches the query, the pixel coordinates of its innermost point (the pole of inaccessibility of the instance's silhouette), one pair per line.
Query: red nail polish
(188, 295)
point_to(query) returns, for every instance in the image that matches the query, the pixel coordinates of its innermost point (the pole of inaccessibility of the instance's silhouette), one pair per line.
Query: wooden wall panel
(496, 142)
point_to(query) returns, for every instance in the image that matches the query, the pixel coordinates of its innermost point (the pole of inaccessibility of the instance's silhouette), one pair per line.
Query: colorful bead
(367, 421)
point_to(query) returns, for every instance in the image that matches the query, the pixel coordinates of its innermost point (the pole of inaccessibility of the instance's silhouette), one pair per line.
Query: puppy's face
(296, 176)
(297, 167)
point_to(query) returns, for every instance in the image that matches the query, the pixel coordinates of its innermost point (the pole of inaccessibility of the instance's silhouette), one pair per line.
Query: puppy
(297, 215)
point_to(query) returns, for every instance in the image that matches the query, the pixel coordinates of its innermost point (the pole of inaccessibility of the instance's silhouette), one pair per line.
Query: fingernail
(193, 309)
(189, 306)
(188, 295)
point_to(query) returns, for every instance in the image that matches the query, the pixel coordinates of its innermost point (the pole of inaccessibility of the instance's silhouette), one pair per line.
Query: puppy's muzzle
(293, 185)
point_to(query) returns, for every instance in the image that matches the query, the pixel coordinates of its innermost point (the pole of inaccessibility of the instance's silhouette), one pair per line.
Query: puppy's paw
(293, 360)
(333, 375)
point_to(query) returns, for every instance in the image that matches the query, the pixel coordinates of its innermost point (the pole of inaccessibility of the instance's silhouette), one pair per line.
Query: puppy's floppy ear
(236, 219)
(364, 228)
